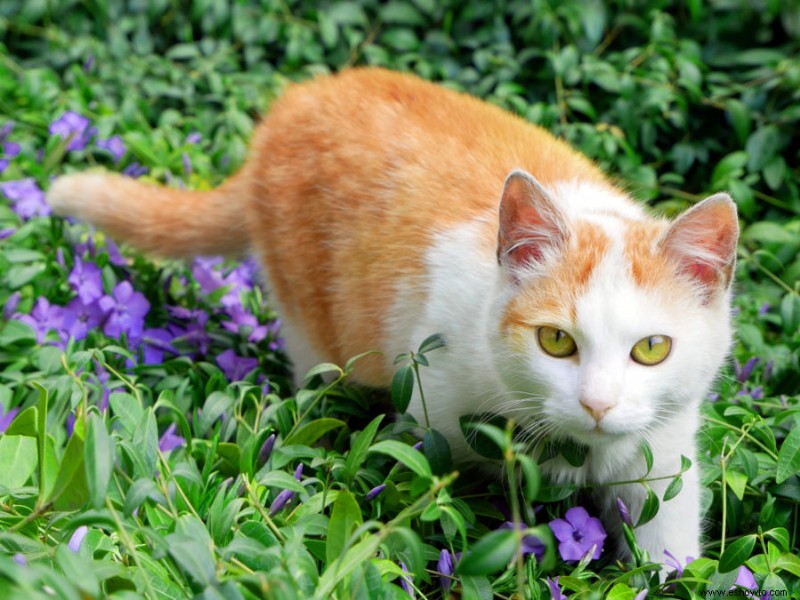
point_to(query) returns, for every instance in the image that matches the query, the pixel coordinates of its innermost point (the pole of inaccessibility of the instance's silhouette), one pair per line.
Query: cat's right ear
(530, 223)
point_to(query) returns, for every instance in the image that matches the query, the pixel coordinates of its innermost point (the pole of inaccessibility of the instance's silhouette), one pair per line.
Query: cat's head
(609, 321)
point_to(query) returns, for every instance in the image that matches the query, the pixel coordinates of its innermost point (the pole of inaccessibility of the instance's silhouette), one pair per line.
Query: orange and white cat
(385, 209)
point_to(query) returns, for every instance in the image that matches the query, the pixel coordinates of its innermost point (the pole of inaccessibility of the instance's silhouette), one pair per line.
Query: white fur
(478, 371)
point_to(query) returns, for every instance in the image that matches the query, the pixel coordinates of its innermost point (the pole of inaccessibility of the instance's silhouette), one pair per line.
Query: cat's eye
(651, 350)
(556, 342)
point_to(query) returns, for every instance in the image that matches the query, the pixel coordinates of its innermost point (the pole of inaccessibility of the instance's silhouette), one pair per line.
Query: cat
(384, 209)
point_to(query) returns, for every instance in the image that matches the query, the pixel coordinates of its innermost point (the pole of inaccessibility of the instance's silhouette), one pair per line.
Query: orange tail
(164, 221)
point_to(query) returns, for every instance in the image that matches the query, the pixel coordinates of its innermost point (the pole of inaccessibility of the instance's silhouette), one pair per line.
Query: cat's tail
(164, 221)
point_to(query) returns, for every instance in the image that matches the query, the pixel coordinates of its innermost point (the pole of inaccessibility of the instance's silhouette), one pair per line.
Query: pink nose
(597, 408)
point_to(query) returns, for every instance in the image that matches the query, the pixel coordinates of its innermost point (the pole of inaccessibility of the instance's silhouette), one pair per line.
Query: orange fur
(348, 179)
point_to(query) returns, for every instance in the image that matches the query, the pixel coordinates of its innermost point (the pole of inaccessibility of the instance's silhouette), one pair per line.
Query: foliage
(148, 456)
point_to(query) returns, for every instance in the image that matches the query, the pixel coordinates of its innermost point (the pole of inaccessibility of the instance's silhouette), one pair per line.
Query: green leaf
(621, 591)
(484, 434)
(340, 569)
(99, 460)
(309, 433)
(736, 553)
(431, 342)
(402, 388)
(767, 232)
(323, 368)
(17, 331)
(25, 423)
(145, 443)
(216, 405)
(781, 537)
(531, 477)
(490, 554)
(359, 449)
(737, 481)
(649, 508)
(437, 451)
(70, 491)
(761, 146)
(647, 452)
(789, 457)
(789, 563)
(18, 455)
(674, 488)
(345, 519)
(127, 409)
(190, 548)
(411, 458)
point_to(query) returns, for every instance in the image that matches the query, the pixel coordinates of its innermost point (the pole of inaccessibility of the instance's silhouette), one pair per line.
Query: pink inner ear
(528, 221)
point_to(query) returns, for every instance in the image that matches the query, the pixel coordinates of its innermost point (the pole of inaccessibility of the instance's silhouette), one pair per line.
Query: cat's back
(353, 177)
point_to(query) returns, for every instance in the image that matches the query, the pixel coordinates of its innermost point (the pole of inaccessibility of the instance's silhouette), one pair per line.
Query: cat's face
(604, 330)
(617, 360)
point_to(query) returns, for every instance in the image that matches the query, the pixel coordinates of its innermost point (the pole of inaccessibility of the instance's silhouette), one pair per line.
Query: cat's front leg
(676, 526)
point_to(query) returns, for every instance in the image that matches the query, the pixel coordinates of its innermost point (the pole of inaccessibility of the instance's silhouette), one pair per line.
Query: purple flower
(126, 310)
(170, 440)
(135, 170)
(266, 449)
(87, 280)
(26, 197)
(210, 277)
(530, 543)
(77, 538)
(114, 145)
(245, 323)
(672, 561)
(4, 162)
(235, 367)
(763, 309)
(194, 137)
(745, 579)
(6, 130)
(624, 513)
(555, 589)
(73, 127)
(80, 318)
(286, 496)
(578, 533)
(375, 492)
(11, 149)
(7, 417)
(445, 567)
(20, 559)
(44, 318)
(187, 165)
(155, 342)
(641, 595)
(11, 305)
(743, 373)
(405, 581)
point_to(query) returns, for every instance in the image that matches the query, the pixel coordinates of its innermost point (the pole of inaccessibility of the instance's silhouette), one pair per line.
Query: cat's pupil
(559, 335)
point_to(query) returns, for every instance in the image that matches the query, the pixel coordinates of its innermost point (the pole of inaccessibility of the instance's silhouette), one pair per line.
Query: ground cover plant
(151, 443)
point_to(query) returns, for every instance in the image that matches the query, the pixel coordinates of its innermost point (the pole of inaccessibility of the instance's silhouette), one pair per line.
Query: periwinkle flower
(577, 533)
(155, 342)
(114, 145)
(530, 543)
(445, 568)
(266, 449)
(234, 366)
(43, 318)
(77, 538)
(405, 580)
(20, 559)
(170, 440)
(745, 579)
(285, 496)
(80, 318)
(742, 373)
(74, 127)
(624, 513)
(135, 170)
(10, 307)
(187, 165)
(86, 278)
(194, 137)
(375, 492)
(246, 323)
(672, 561)
(126, 310)
(26, 197)
(555, 589)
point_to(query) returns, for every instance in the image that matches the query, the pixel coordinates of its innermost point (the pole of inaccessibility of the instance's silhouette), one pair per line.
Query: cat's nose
(596, 407)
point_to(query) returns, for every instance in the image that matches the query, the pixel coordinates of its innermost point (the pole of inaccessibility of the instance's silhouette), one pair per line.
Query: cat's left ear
(530, 223)
(702, 241)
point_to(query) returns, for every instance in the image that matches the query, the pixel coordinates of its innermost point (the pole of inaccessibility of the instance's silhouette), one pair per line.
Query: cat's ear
(530, 223)
(702, 241)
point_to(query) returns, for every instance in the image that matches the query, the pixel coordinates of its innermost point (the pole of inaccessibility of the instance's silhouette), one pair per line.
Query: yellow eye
(556, 342)
(651, 350)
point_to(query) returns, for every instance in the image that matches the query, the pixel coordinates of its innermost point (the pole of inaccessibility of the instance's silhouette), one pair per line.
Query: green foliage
(676, 99)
